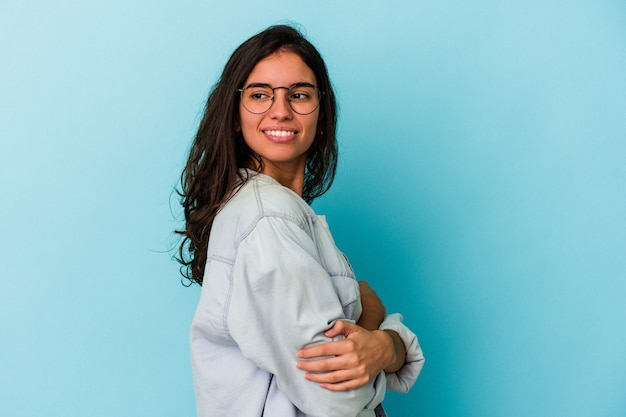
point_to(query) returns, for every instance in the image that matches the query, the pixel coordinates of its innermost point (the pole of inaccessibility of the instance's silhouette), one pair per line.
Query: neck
(290, 176)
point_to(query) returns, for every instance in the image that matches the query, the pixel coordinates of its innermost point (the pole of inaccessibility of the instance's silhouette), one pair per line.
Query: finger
(325, 365)
(346, 385)
(332, 378)
(335, 330)
(341, 327)
(327, 349)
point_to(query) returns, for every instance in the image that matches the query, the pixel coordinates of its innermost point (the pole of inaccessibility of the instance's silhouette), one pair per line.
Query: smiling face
(280, 136)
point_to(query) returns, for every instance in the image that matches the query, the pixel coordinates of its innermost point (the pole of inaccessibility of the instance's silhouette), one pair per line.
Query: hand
(373, 309)
(372, 316)
(354, 361)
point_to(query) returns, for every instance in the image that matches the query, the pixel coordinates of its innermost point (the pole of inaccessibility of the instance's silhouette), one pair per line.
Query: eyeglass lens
(258, 98)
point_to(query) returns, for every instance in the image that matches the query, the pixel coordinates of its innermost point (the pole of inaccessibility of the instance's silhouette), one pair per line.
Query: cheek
(316, 126)
(247, 123)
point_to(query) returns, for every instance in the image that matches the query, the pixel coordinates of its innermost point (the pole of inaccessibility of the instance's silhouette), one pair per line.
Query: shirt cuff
(405, 377)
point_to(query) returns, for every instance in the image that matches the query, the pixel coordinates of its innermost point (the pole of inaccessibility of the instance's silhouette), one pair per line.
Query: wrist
(388, 357)
(397, 351)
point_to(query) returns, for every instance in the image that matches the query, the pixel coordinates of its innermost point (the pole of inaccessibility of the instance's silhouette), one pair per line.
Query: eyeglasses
(303, 98)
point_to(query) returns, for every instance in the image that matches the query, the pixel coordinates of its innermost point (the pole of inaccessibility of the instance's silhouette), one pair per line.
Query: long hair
(219, 150)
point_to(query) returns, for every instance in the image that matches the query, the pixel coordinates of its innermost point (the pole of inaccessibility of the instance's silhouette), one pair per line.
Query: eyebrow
(300, 84)
(257, 85)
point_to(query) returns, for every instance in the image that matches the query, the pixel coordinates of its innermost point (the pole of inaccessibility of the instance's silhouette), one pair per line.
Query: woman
(274, 332)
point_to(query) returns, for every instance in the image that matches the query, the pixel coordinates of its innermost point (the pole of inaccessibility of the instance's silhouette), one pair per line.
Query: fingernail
(299, 354)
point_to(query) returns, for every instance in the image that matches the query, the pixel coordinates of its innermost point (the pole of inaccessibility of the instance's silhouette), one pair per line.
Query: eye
(258, 93)
(301, 94)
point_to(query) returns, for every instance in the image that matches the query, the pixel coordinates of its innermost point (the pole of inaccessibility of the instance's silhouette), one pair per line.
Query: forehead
(281, 68)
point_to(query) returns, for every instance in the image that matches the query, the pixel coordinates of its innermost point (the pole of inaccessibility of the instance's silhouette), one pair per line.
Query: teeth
(282, 133)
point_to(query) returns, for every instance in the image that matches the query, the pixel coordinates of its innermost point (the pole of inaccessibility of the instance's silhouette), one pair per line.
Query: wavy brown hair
(218, 150)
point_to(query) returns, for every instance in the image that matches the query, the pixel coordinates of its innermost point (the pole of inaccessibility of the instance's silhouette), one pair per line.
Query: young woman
(282, 328)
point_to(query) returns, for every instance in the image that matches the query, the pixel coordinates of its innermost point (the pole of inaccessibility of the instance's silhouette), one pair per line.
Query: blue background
(481, 191)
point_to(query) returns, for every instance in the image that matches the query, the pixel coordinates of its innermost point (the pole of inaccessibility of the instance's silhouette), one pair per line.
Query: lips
(279, 135)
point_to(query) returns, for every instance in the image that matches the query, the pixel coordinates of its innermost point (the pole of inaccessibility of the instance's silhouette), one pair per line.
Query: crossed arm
(361, 356)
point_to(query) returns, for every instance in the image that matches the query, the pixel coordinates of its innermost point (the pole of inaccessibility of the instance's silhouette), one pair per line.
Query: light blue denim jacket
(274, 282)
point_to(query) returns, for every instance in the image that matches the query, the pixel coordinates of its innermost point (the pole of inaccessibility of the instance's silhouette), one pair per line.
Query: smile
(279, 133)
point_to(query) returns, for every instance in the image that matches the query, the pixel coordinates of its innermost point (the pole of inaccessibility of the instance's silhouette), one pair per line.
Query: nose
(280, 109)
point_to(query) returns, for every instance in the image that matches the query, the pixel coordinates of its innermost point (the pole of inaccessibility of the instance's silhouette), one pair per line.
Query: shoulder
(262, 196)
(259, 197)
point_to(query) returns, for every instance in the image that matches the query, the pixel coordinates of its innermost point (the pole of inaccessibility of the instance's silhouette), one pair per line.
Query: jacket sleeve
(283, 299)
(403, 379)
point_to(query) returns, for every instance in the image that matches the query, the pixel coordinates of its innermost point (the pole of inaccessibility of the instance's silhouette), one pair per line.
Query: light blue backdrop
(481, 190)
